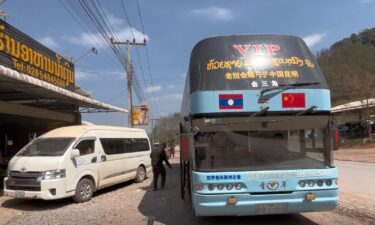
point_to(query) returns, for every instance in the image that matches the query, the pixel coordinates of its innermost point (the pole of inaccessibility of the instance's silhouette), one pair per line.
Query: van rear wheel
(141, 175)
(84, 191)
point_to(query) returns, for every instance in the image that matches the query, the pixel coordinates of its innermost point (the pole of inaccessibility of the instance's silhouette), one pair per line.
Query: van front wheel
(84, 191)
(141, 174)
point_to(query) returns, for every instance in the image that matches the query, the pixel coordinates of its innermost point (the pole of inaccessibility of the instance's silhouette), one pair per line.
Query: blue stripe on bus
(208, 101)
(214, 202)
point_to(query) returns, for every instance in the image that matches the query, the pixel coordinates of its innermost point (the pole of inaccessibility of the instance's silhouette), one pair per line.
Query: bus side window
(309, 139)
(314, 146)
(294, 141)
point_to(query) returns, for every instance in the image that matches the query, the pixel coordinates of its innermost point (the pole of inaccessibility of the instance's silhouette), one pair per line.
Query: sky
(172, 28)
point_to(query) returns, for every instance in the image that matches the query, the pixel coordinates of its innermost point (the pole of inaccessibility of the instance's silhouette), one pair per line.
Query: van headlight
(53, 174)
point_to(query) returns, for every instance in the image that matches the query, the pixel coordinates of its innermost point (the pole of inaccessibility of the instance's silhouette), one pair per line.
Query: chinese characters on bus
(260, 64)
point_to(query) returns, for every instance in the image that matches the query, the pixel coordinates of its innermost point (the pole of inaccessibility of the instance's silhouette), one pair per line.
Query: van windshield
(46, 147)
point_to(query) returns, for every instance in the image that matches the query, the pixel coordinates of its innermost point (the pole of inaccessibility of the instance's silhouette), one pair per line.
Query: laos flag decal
(231, 101)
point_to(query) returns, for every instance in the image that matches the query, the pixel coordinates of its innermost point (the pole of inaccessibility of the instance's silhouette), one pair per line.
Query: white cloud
(365, 1)
(174, 97)
(213, 13)
(314, 39)
(171, 97)
(153, 89)
(49, 42)
(92, 40)
(115, 21)
(121, 33)
(80, 75)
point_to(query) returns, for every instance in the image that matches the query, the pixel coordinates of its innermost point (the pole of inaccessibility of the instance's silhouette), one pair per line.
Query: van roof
(79, 130)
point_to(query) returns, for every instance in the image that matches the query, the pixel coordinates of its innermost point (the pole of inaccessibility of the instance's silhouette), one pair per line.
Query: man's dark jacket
(158, 156)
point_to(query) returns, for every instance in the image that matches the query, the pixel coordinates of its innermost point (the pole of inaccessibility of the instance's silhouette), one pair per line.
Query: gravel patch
(115, 205)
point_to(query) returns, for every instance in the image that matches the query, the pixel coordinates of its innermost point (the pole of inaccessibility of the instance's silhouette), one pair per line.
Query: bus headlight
(53, 174)
(220, 187)
(328, 182)
(238, 186)
(211, 187)
(198, 187)
(302, 183)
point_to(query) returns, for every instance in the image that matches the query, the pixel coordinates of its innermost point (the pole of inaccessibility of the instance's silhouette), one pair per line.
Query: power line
(91, 15)
(147, 55)
(137, 51)
(80, 23)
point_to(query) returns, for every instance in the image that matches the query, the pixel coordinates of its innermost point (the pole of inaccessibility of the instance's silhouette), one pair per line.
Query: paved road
(131, 203)
(357, 178)
(357, 190)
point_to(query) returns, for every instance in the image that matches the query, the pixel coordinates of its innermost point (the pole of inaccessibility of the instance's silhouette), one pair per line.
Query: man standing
(158, 155)
(172, 150)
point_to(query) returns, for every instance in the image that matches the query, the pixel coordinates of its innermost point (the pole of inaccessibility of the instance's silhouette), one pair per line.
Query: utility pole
(154, 128)
(129, 73)
(3, 13)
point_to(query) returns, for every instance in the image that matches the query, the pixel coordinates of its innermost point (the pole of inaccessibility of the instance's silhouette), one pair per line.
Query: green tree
(350, 72)
(167, 129)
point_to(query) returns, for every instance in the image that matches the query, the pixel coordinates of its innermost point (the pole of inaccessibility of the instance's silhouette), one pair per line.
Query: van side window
(113, 146)
(128, 145)
(140, 144)
(86, 147)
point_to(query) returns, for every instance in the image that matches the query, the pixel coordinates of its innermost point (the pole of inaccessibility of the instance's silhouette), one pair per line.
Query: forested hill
(349, 67)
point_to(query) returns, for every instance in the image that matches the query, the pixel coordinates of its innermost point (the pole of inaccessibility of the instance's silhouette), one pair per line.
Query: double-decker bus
(257, 133)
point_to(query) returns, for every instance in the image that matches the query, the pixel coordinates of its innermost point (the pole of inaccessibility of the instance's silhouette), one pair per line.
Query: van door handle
(103, 158)
(94, 159)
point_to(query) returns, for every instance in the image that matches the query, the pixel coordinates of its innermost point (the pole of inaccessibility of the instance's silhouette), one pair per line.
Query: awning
(356, 105)
(21, 88)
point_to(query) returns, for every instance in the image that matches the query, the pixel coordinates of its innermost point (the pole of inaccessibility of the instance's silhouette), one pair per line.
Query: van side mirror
(74, 153)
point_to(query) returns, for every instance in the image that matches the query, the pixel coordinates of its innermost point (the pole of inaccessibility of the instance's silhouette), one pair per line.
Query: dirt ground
(355, 154)
(134, 204)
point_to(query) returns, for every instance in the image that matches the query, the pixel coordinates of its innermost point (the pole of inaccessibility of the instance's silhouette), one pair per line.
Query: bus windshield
(262, 150)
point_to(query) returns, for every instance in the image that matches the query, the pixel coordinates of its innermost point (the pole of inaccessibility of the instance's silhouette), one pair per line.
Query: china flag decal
(293, 100)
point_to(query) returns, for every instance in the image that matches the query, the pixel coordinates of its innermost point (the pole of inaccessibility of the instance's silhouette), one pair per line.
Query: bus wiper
(283, 87)
(261, 112)
(309, 110)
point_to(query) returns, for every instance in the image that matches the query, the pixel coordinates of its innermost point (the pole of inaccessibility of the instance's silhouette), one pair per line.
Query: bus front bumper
(263, 204)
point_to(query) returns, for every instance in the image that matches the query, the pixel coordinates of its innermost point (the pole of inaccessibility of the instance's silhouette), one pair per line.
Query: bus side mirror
(336, 139)
(74, 153)
(187, 151)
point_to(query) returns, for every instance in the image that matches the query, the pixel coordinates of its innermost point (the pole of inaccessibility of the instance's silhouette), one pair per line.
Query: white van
(75, 161)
